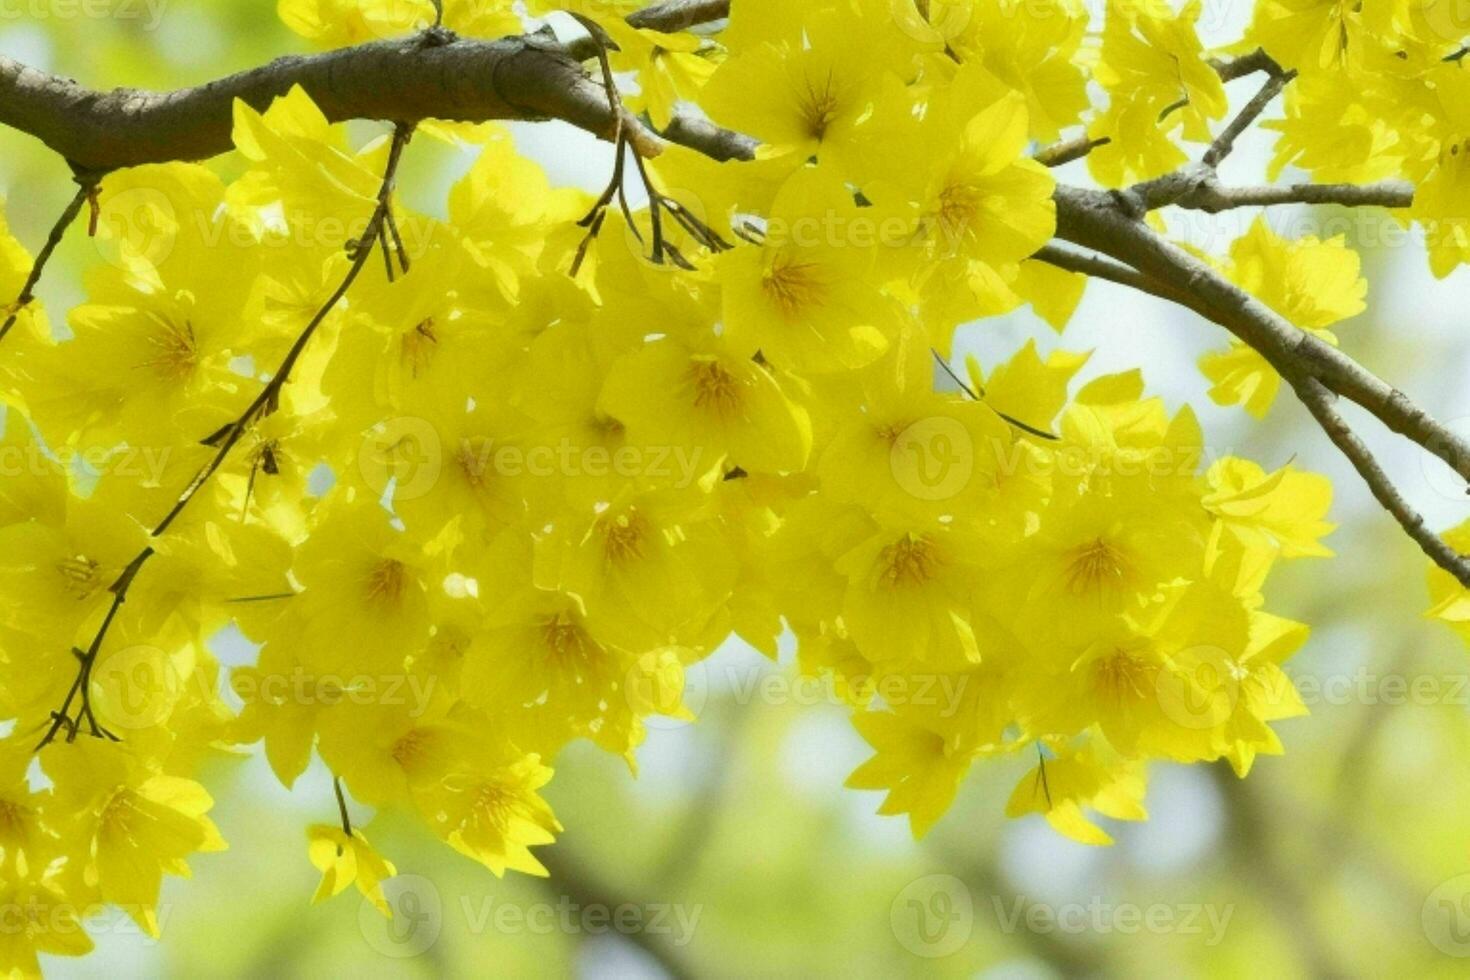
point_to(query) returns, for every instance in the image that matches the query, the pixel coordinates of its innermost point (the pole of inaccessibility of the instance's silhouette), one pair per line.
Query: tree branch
(86, 186)
(1098, 220)
(1257, 61)
(224, 441)
(1214, 197)
(1224, 144)
(533, 77)
(425, 77)
(1066, 151)
(674, 16)
(266, 402)
(1098, 267)
(1319, 401)
(714, 142)
(1198, 189)
(571, 881)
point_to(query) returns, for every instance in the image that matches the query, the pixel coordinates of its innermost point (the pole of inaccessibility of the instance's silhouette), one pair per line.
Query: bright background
(738, 846)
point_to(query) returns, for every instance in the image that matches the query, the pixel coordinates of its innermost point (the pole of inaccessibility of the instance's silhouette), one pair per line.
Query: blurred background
(736, 852)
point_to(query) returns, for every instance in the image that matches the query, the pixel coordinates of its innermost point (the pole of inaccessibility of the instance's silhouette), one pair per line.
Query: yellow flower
(40, 918)
(810, 98)
(137, 823)
(1311, 282)
(497, 818)
(1439, 202)
(1279, 513)
(909, 594)
(345, 861)
(689, 392)
(650, 573)
(1154, 70)
(980, 204)
(806, 298)
(1031, 45)
(1089, 778)
(366, 592)
(920, 768)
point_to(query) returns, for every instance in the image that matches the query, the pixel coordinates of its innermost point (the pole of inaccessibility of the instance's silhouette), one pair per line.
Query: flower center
(473, 460)
(175, 349)
(494, 804)
(792, 286)
(715, 388)
(1125, 676)
(410, 749)
(81, 576)
(623, 537)
(120, 815)
(959, 206)
(387, 582)
(565, 641)
(1095, 567)
(818, 107)
(13, 819)
(913, 560)
(419, 347)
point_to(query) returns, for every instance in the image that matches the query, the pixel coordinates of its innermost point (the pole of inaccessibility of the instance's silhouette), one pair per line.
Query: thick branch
(532, 77)
(702, 135)
(680, 15)
(1098, 267)
(397, 81)
(1096, 220)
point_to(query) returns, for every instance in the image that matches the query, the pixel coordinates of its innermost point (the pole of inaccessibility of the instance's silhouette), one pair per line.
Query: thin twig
(1319, 401)
(1098, 267)
(225, 440)
(1258, 60)
(81, 686)
(1225, 142)
(266, 402)
(342, 805)
(976, 396)
(1214, 198)
(86, 187)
